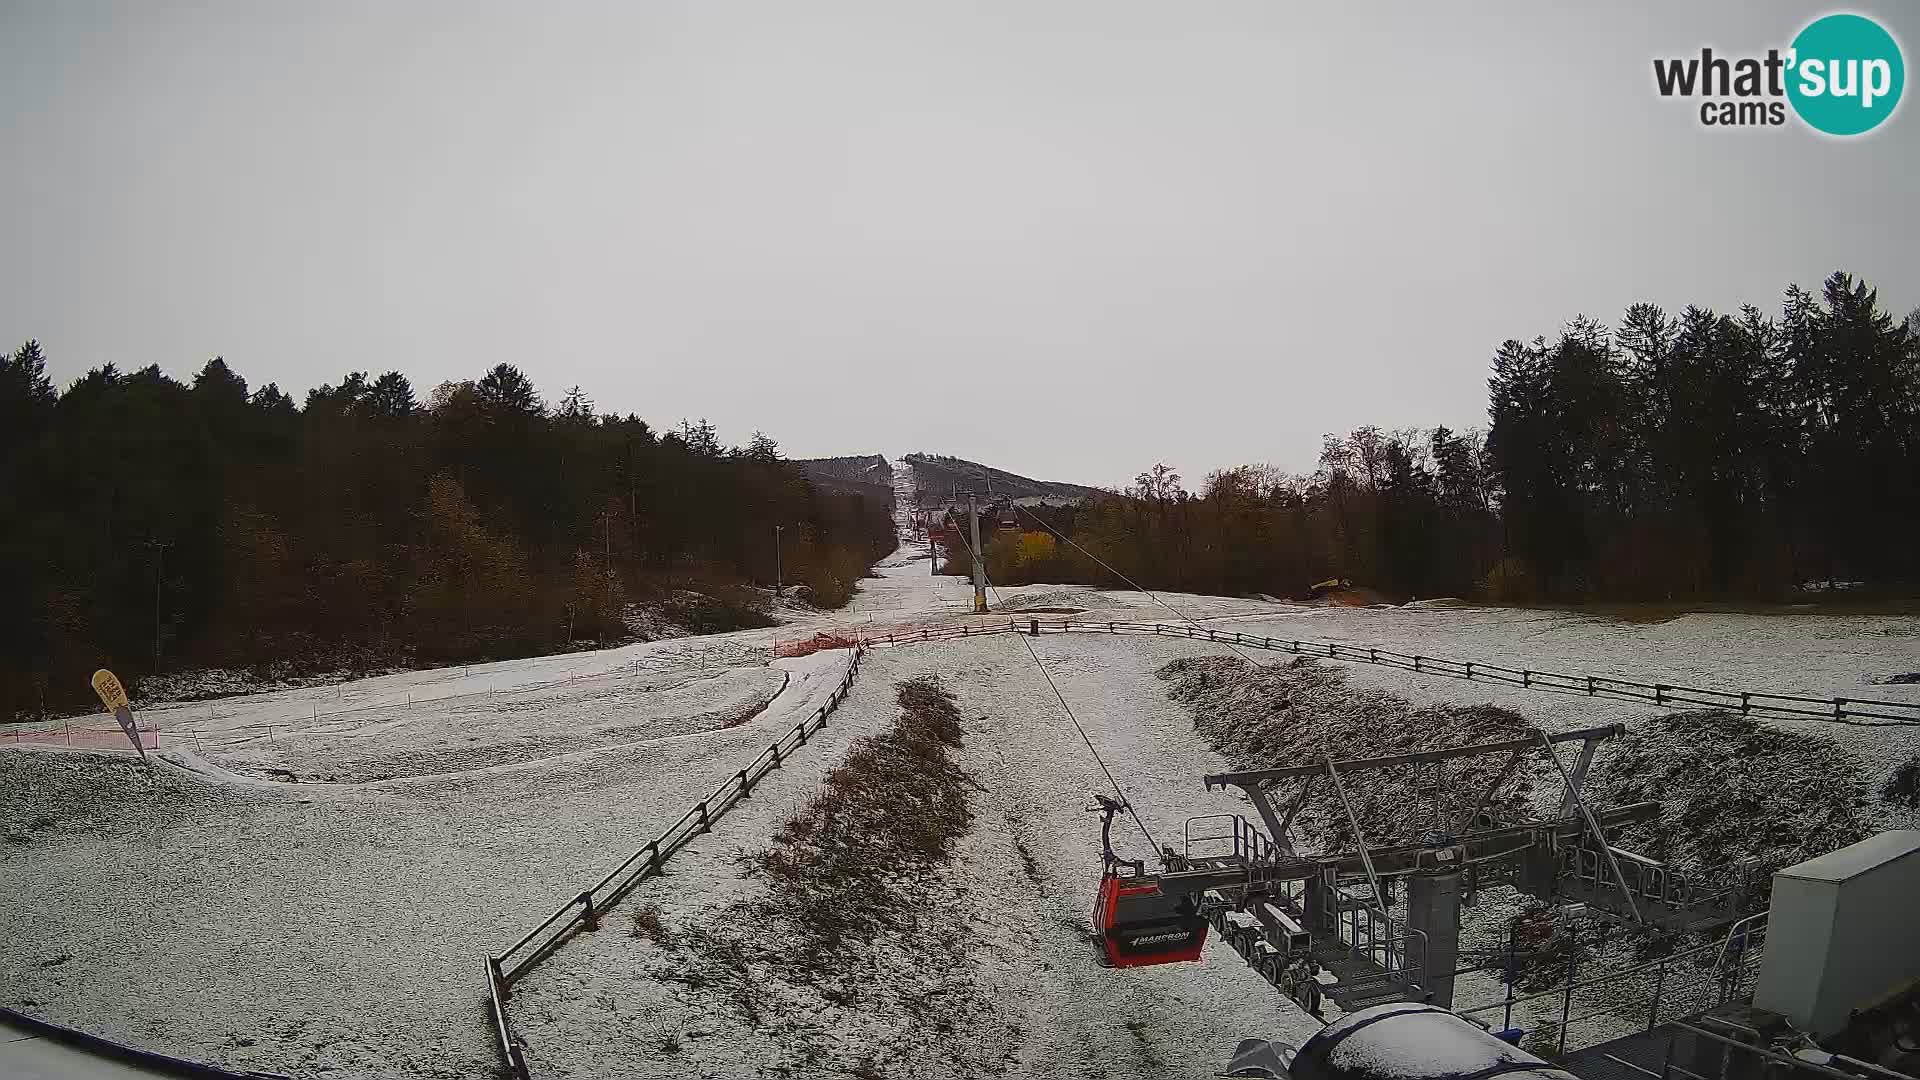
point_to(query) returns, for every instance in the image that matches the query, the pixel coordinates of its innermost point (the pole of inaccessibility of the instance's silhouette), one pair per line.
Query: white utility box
(1843, 932)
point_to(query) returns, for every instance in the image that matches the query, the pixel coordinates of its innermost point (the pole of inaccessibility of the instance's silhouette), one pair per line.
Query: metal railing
(1601, 1007)
(584, 910)
(1376, 938)
(1857, 712)
(1717, 1056)
(1663, 889)
(1240, 841)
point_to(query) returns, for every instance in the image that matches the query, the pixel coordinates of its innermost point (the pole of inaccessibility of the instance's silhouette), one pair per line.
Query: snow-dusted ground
(526, 725)
(1022, 884)
(323, 928)
(1813, 655)
(208, 910)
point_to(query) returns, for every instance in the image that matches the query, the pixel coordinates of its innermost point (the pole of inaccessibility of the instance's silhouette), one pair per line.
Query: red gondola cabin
(1140, 925)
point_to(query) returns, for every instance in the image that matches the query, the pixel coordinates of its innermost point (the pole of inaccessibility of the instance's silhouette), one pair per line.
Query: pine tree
(762, 449)
(506, 392)
(391, 396)
(26, 397)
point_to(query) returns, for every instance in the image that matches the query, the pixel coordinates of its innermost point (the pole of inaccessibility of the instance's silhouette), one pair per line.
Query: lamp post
(778, 583)
(159, 567)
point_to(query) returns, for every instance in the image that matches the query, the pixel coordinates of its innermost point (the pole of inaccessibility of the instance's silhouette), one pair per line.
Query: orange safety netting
(808, 646)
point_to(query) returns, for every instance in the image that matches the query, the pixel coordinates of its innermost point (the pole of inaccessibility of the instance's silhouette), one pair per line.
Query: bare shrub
(648, 924)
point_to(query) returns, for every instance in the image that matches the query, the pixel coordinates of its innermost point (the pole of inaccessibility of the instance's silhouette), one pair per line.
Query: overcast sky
(1068, 239)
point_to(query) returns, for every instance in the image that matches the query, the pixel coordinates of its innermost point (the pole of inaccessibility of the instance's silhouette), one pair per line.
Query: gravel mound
(1301, 712)
(1734, 790)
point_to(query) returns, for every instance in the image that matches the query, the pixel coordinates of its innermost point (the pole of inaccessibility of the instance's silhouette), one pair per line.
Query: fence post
(1746, 702)
(1589, 686)
(1839, 711)
(499, 976)
(1659, 983)
(1507, 1023)
(1526, 677)
(1416, 661)
(1033, 627)
(746, 789)
(1566, 1002)
(591, 919)
(706, 822)
(1659, 693)
(1469, 669)
(776, 754)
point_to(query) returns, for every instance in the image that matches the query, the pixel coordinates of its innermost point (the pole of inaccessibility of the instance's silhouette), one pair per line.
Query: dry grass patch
(893, 808)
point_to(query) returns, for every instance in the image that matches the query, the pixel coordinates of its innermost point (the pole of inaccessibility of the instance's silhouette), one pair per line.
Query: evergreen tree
(391, 396)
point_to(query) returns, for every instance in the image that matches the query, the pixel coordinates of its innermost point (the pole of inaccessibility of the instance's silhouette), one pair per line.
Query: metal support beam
(1254, 776)
(979, 558)
(1257, 795)
(1579, 776)
(1486, 797)
(1488, 845)
(1359, 839)
(1599, 838)
(1293, 811)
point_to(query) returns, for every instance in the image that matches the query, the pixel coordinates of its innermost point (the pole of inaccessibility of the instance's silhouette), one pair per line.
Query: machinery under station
(1368, 939)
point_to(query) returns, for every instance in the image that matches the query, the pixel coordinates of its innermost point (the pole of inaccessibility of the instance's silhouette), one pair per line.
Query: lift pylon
(1292, 916)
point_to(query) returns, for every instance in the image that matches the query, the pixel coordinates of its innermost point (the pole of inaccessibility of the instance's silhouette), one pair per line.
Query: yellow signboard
(112, 694)
(114, 697)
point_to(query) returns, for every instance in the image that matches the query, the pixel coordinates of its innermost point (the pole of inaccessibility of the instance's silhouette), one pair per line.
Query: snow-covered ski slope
(333, 925)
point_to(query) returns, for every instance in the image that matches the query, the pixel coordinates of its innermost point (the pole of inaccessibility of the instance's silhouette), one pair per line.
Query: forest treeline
(1697, 456)
(365, 526)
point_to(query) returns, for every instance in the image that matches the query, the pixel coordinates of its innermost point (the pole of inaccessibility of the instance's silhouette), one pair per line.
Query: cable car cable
(1045, 674)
